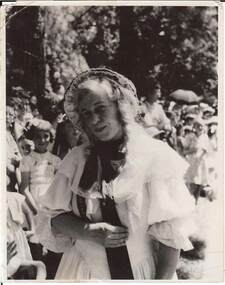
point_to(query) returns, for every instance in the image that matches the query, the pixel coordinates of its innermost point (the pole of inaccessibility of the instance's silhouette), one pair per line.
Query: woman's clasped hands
(107, 234)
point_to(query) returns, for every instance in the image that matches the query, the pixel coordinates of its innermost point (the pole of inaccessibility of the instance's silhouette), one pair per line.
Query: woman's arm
(168, 258)
(102, 233)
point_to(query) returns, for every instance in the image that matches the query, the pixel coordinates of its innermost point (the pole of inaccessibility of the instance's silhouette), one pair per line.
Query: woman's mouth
(99, 129)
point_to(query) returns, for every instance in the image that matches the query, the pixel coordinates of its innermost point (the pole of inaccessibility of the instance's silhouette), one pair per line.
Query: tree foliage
(47, 46)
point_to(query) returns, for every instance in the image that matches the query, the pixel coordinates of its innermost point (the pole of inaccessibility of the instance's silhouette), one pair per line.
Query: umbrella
(186, 96)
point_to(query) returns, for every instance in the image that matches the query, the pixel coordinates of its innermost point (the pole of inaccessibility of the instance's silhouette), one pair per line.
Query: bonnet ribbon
(118, 257)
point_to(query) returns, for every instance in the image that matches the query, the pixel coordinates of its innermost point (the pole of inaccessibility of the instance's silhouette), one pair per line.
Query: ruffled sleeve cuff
(174, 233)
(53, 240)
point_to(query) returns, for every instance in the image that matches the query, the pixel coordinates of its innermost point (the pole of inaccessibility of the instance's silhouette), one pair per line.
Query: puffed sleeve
(171, 205)
(56, 201)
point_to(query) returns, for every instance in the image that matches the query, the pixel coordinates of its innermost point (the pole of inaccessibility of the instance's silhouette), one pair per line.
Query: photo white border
(221, 110)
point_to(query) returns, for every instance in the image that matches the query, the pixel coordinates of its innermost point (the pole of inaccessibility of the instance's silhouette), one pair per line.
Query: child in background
(37, 172)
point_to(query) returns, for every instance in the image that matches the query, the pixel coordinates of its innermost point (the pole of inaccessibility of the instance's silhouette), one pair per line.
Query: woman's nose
(95, 119)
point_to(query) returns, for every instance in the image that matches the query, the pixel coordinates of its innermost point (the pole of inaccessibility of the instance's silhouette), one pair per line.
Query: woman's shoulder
(163, 160)
(72, 158)
(75, 153)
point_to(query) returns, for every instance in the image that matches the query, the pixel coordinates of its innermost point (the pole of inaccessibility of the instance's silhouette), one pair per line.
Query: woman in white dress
(118, 208)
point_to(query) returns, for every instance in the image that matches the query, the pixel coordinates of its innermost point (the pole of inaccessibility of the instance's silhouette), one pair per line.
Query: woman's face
(100, 115)
(41, 140)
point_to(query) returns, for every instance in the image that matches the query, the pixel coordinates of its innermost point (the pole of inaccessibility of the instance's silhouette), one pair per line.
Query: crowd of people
(41, 183)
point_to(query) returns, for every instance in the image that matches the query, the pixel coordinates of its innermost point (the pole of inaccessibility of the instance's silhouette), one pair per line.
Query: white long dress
(151, 200)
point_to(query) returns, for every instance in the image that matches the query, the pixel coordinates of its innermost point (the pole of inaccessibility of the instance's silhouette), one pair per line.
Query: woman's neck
(111, 150)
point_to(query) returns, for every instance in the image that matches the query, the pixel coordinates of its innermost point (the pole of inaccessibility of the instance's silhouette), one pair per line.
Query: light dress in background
(15, 232)
(155, 116)
(42, 168)
(151, 199)
(198, 171)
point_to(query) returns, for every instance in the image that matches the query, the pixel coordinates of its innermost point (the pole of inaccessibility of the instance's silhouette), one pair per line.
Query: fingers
(117, 236)
(115, 239)
(115, 229)
(13, 253)
(11, 246)
(115, 243)
(11, 250)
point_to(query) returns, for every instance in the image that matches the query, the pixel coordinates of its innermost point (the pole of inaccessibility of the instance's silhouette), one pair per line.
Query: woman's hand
(11, 250)
(106, 234)
(29, 234)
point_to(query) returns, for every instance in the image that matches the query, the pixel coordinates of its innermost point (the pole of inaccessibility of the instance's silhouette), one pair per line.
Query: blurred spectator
(66, 138)
(196, 154)
(189, 119)
(208, 112)
(33, 102)
(13, 153)
(36, 113)
(154, 113)
(19, 124)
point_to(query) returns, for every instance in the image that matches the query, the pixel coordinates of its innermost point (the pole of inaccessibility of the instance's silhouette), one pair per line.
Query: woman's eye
(86, 114)
(101, 109)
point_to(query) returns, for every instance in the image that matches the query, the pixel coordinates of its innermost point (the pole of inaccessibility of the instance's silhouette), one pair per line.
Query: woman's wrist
(87, 231)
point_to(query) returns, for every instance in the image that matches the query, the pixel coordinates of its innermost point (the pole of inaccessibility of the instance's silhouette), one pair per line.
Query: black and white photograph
(113, 141)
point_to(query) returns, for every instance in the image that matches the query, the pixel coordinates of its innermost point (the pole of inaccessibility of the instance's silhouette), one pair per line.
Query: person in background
(67, 137)
(13, 152)
(33, 102)
(195, 151)
(154, 113)
(189, 119)
(38, 170)
(212, 156)
(20, 123)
